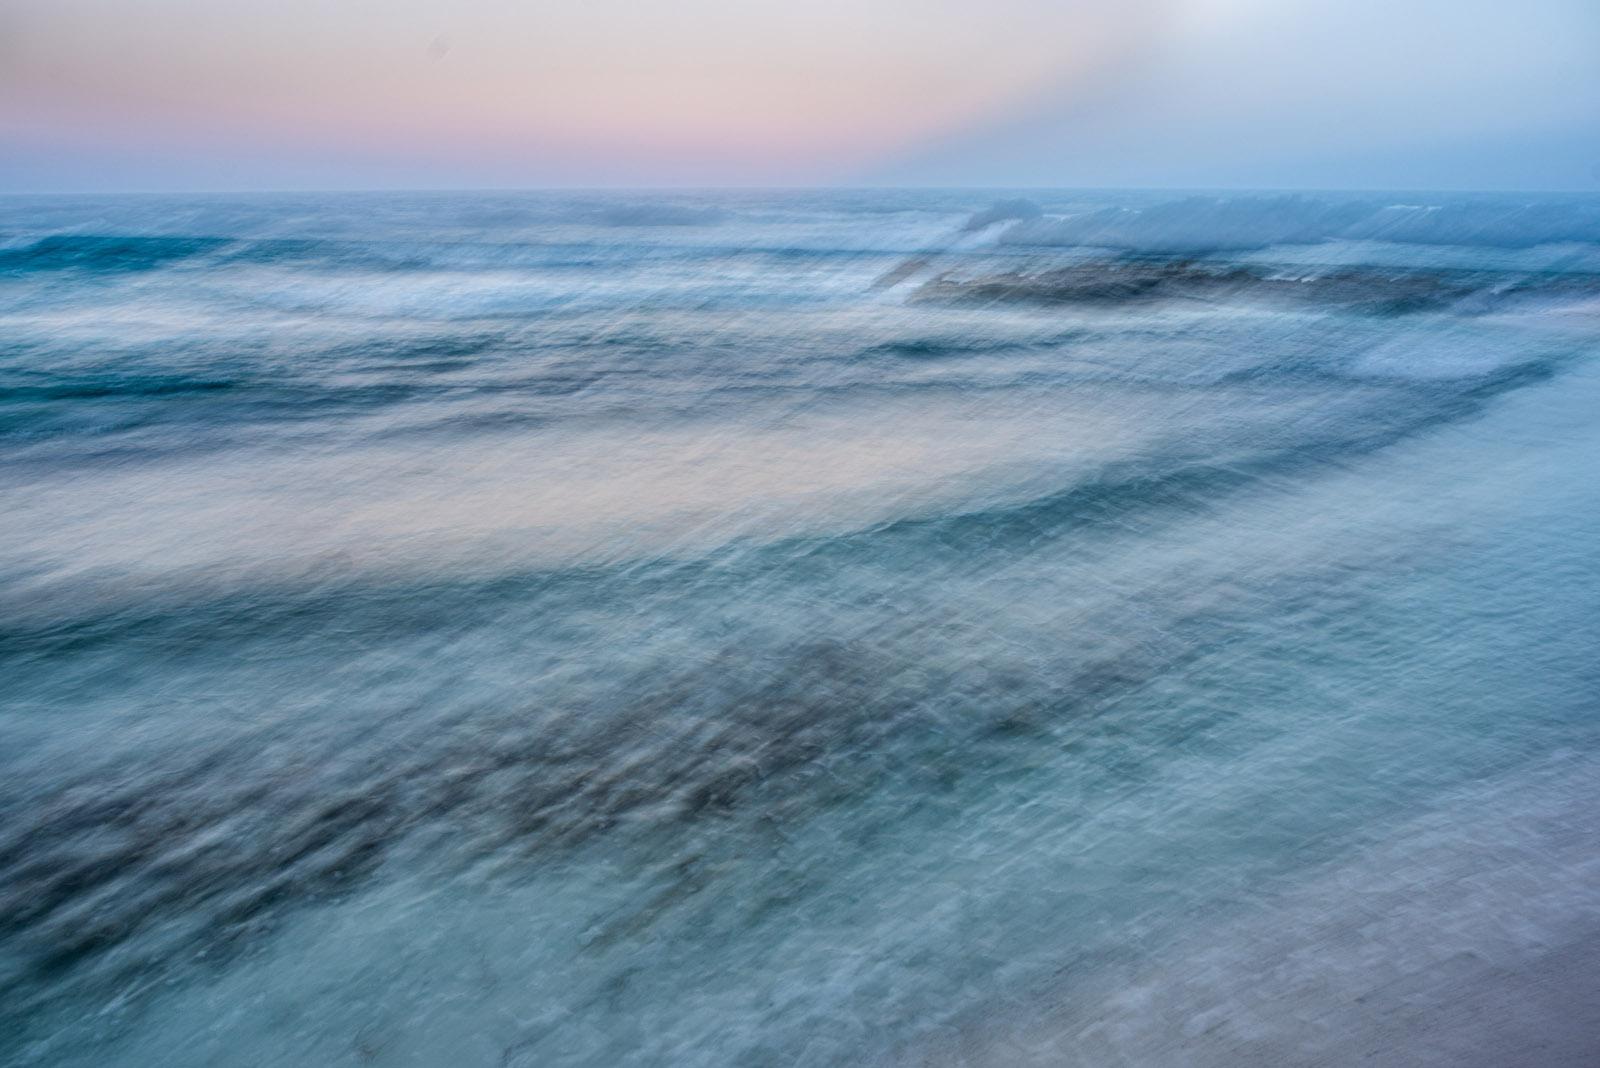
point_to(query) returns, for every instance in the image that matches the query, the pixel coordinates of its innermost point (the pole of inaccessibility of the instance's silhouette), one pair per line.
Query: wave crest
(1221, 224)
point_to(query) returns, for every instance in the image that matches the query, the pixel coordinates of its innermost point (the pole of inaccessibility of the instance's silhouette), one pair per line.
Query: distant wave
(103, 252)
(659, 215)
(1003, 211)
(933, 348)
(1219, 224)
(102, 386)
(126, 253)
(1375, 290)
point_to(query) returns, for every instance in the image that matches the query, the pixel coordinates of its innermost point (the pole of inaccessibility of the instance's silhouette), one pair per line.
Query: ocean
(795, 628)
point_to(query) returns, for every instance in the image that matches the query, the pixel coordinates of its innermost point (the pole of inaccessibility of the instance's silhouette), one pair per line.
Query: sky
(112, 95)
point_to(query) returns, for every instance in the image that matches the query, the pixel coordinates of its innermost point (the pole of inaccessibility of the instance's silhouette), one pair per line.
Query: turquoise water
(752, 628)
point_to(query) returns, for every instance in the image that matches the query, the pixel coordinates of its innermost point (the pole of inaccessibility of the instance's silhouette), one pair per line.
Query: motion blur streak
(773, 629)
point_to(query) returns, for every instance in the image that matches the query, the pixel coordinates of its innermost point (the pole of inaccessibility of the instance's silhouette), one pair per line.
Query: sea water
(775, 628)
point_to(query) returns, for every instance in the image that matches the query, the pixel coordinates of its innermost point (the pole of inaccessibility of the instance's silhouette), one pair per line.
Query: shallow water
(755, 628)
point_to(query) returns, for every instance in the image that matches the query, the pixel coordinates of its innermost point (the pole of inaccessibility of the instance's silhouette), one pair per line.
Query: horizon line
(816, 188)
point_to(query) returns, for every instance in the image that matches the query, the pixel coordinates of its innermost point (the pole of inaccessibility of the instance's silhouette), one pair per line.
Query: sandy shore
(1471, 939)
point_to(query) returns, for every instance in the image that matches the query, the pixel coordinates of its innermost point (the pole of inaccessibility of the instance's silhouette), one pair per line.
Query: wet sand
(1471, 939)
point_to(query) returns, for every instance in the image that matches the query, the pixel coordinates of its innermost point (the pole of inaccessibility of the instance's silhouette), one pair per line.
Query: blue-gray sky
(228, 94)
